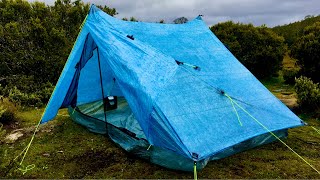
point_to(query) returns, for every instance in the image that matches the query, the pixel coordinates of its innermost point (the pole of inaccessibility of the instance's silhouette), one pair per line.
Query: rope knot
(26, 169)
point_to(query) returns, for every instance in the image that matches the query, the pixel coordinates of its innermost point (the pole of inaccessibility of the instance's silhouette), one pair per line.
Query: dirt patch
(12, 125)
(97, 159)
(286, 97)
(286, 93)
(289, 99)
(11, 138)
(290, 102)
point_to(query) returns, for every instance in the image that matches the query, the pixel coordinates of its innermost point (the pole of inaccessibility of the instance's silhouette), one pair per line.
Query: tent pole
(102, 90)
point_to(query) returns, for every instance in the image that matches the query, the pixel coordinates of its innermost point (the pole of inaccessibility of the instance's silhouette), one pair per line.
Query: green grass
(64, 149)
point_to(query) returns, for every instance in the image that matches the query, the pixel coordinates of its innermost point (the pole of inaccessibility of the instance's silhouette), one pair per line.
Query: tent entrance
(118, 114)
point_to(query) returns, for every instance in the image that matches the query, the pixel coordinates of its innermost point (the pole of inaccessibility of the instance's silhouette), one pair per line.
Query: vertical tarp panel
(87, 53)
(89, 88)
(110, 84)
(65, 78)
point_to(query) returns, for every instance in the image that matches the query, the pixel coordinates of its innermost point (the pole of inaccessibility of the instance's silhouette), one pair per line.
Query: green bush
(308, 93)
(26, 84)
(7, 112)
(7, 116)
(45, 92)
(257, 48)
(16, 96)
(289, 75)
(2, 131)
(24, 90)
(2, 110)
(306, 50)
(38, 98)
(36, 39)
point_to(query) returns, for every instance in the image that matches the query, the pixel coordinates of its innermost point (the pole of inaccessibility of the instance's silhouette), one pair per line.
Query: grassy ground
(63, 149)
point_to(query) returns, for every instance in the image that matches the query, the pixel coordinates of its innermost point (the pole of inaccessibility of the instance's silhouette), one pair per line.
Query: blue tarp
(179, 107)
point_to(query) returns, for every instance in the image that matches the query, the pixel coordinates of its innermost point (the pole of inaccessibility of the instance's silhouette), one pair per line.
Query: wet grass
(64, 149)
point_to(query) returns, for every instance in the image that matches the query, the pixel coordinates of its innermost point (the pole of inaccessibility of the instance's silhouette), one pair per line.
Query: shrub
(16, 96)
(26, 84)
(22, 94)
(289, 75)
(7, 117)
(308, 93)
(307, 50)
(257, 48)
(7, 112)
(2, 110)
(30, 99)
(45, 92)
(2, 131)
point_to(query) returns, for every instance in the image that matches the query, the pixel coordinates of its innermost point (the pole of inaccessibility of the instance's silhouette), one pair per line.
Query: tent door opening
(118, 114)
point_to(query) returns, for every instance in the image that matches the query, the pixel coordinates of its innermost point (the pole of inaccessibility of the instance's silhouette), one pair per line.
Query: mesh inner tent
(125, 131)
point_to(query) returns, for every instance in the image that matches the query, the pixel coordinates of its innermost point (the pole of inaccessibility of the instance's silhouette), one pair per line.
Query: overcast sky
(257, 12)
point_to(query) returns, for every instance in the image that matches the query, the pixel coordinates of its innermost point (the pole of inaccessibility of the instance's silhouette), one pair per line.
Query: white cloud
(258, 12)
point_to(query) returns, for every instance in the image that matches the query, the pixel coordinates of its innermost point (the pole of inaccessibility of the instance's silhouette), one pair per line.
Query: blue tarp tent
(166, 91)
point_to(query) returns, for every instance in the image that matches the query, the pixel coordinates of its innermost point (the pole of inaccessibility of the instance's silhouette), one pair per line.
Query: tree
(258, 48)
(133, 19)
(35, 41)
(108, 10)
(307, 50)
(291, 32)
(180, 20)
(308, 16)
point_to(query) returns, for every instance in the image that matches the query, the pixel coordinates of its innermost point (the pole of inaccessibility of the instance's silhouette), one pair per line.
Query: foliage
(180, 20)
(289, 75)
(25, 90)
(258, 48)
(307, 50)
(7, 116)
(161, 21)
(308, 93)
(133, 19)
(291, 32)
(7, 112)
(35, 41)
(37, 98)
(18, 97)
(3, 111)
